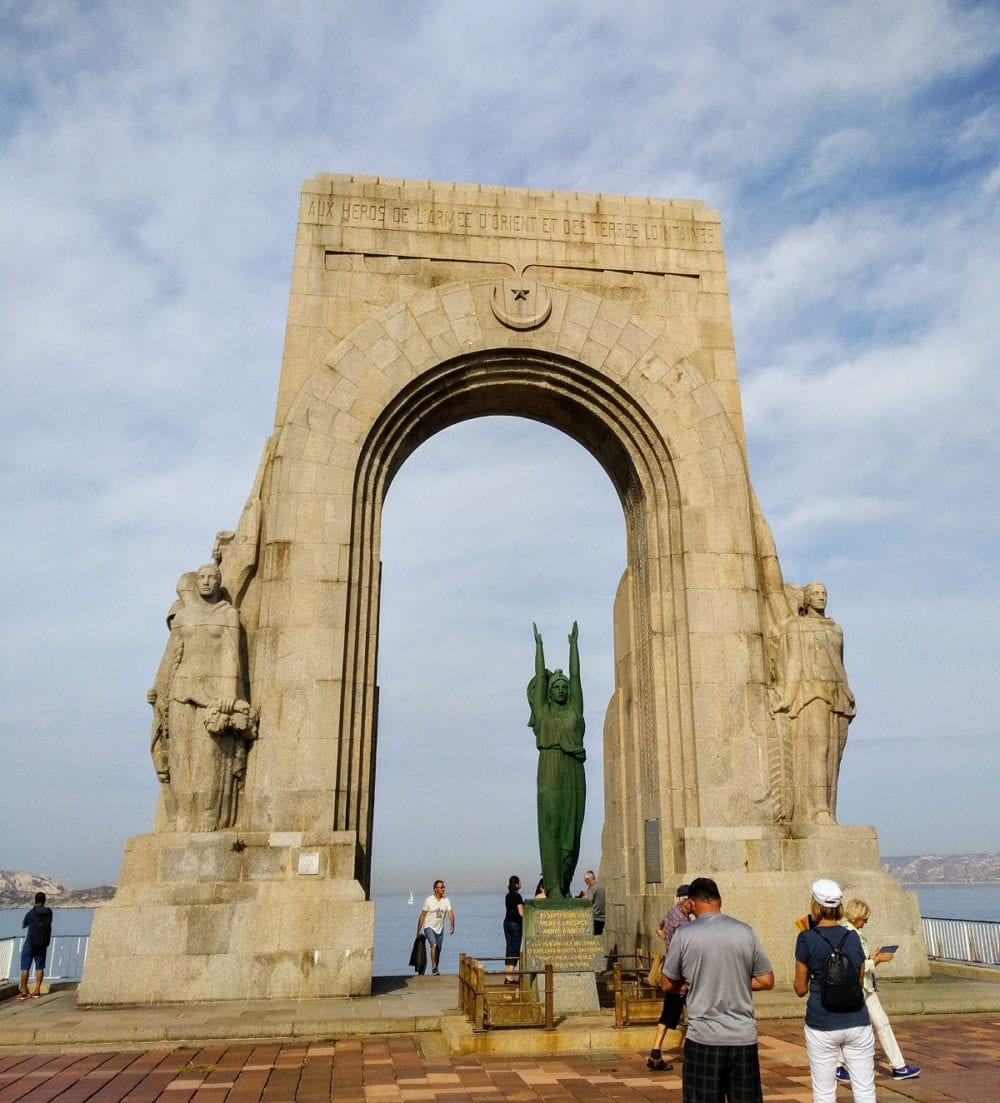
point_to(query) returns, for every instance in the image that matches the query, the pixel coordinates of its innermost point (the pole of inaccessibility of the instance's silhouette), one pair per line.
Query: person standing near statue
(720, 962)
(673, 1002)
(833, 1036)
(595, 894)
(856, 915)
(430, 923)
(812, 691)
(513, 927)
(202, 720)
(557, 721)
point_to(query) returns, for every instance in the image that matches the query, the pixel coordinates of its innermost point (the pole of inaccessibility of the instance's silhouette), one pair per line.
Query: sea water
(478, 928)
(479, 922)
(74, 921)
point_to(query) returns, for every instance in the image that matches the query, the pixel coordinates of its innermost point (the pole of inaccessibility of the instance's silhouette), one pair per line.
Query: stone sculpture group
(415, 305)
(204, 725)
(811, 702)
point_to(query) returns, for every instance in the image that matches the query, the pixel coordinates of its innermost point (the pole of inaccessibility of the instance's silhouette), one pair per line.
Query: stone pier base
(560, 933)
(764, 875)
(232, 916)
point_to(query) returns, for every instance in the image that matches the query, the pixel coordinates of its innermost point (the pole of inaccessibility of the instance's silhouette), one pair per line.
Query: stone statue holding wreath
(202, 721)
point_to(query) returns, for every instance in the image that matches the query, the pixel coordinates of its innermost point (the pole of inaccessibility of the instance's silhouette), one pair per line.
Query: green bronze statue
(557, 721)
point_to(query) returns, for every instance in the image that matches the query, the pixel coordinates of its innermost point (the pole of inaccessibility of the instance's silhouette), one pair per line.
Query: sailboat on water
(410, 901)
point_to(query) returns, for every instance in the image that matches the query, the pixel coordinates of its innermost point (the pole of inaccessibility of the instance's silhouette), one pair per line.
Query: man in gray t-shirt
(721, 960)
(595, 893)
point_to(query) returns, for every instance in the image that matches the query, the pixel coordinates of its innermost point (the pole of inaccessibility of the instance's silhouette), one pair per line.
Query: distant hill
(18, 889)
(945, 869)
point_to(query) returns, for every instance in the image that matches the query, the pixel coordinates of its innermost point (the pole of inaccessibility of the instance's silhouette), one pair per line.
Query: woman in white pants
(833, 1037)
(856, 915)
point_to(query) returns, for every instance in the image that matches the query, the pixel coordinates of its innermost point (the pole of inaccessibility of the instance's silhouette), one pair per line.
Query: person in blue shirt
(830, 1034)
(36, 945)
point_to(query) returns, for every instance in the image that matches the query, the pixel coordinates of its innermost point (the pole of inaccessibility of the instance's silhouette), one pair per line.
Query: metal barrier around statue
(490, 998)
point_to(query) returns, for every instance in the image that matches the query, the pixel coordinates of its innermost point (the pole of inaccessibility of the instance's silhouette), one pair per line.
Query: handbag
(655, 970)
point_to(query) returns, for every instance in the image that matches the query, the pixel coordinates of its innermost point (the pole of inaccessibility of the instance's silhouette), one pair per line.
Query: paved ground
(960, 1056)
(405, 1005)
(407, 1044)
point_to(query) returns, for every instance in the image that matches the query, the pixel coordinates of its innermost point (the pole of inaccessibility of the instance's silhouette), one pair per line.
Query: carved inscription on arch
(481, 221)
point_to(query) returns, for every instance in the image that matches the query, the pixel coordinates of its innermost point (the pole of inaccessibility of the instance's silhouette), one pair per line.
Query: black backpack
(839, 981)
(41, 929)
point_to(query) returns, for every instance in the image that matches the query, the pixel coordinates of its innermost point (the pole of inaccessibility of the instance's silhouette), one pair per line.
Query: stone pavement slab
(402, 1005)
(959, 1055)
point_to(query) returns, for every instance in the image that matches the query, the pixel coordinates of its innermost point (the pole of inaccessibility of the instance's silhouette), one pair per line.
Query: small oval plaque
(521, 304)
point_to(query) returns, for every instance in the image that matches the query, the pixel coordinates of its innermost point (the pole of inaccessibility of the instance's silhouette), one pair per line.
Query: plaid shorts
(721, 1074)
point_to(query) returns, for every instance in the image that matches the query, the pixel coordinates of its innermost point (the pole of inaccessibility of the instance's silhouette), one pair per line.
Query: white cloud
(844, 151)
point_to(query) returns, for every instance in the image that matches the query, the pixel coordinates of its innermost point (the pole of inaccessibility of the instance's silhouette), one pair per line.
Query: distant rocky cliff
(945, 869)
(17, 889)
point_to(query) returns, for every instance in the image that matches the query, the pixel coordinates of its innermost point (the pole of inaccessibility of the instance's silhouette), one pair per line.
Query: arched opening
(489, 526)
(586, 406)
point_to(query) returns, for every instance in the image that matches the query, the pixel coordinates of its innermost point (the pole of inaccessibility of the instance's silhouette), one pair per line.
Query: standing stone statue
(202, 722)
(812, 691)
(557, 721)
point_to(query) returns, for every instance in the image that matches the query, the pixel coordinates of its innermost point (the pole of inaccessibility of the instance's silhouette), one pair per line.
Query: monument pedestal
(232, 916)
(764, 874)
(560, 932)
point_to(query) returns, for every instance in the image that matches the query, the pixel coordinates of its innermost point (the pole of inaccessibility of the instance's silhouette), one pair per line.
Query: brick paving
(960, 1055)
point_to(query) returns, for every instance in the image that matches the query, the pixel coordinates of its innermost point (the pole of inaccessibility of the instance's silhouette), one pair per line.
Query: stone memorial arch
(415, 306)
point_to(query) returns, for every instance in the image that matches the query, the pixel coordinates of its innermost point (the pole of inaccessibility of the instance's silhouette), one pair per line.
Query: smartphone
(887, 949)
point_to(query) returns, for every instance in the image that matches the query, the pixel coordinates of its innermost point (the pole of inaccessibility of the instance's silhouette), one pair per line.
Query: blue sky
(150, 161)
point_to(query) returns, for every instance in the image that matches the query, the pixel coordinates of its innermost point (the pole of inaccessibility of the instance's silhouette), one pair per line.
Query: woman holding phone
(856, 915)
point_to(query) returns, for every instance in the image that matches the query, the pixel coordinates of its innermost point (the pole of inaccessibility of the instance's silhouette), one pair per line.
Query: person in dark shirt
(36, 944)
(833, 1036)
(513, 926)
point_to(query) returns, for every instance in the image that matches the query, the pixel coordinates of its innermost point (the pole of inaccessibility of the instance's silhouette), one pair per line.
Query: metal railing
(63, 962)
(971, 941)
(498, 998)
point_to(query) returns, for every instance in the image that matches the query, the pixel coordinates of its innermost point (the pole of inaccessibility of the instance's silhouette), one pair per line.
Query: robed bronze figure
(557, 721)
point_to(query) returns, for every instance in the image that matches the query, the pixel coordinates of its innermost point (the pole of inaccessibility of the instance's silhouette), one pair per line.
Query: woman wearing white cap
(832, 1033)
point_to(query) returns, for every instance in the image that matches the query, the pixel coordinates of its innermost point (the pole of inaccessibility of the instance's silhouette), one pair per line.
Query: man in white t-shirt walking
(431, 922)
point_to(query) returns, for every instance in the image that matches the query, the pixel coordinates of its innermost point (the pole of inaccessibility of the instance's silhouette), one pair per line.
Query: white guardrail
(64, 961)
(967, 941)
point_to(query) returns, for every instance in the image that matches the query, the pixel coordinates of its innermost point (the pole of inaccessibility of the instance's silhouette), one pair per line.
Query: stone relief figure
(811, 691)
(202, 721)
(159, 695)
(557, 720)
